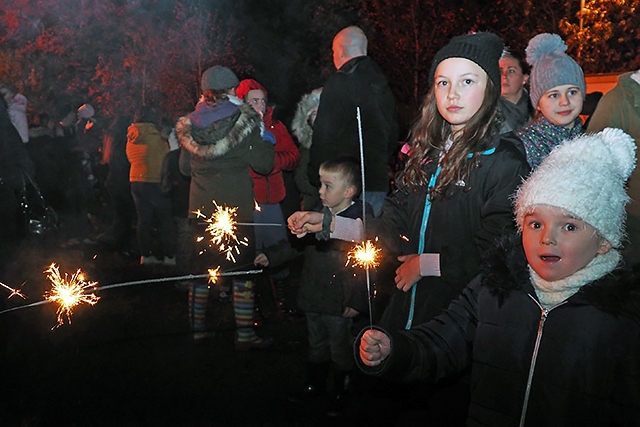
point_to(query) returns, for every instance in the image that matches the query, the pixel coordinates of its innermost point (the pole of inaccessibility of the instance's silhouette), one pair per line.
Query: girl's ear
(604, 247)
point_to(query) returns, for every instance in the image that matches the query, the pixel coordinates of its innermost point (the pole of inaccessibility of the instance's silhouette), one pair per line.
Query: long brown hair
(430, 134)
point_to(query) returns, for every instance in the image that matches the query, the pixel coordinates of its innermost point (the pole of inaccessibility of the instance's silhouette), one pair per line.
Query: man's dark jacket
(358, 83)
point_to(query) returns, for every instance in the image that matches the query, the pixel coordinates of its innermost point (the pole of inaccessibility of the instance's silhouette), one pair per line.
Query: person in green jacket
(222, 140)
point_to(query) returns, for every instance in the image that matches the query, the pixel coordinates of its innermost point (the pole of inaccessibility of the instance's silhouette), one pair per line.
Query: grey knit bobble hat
(551, 66)
(219, 78)
(483, 48)
(584, 176)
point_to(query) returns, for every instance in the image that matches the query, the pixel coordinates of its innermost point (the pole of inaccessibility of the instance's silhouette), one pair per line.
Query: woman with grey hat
(221, 141)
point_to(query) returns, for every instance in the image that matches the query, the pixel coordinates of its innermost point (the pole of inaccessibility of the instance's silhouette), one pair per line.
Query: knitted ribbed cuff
(325, 234)
(430, 265)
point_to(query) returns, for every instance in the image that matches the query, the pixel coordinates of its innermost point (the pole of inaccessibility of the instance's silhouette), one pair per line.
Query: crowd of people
(515, 301)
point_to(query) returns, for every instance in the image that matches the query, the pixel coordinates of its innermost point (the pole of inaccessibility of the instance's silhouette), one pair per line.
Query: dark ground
(129, 360)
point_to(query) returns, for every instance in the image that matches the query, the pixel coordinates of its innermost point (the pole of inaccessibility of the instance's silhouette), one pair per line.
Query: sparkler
(69, 292)
(14, 292)
(221, 226)
(213, 275)
(366, 255)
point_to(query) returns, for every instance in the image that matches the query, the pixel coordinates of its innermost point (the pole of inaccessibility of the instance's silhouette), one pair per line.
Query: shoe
(255, 344)
(200, 337)
(148, 260)
(169, 261)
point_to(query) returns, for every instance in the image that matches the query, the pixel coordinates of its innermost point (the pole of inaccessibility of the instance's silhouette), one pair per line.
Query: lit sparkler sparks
(365, 255)
(14, 292)
(69, 292)
(221, 226)
(214, 275)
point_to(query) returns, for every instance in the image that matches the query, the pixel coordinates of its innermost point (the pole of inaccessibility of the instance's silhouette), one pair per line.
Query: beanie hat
(551, 67)
(86, 111)
(246, 85)
(218, 78)
(484, 49)
(585, 176)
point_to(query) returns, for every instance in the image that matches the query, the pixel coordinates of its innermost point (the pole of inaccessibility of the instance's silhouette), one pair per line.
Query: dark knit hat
(483, 48)
(219, 78)
(246, 85)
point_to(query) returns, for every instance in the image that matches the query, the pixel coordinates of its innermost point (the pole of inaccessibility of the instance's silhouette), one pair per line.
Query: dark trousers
(152, 203)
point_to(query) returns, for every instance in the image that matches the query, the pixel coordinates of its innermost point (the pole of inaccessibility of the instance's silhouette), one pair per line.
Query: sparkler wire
(178, 278)
(141, 282)
(267, 224)
(364, 209)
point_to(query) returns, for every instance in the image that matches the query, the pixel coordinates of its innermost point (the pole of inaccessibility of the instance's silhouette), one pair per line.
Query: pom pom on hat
(551, 66)
(218, 78)
(86, 111)
(482, 48)
(585, 176)
(246, 85)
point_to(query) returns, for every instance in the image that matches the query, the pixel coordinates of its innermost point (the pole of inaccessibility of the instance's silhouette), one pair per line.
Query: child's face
(335, 192)
(557, 244)
(561, 105)
(459, 88)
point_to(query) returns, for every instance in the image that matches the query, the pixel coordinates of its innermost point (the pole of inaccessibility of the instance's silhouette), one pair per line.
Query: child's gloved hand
(269, 137)
(261, 260)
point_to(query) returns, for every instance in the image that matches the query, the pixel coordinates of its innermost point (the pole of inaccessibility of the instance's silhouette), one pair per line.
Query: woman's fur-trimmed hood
(505, 269)
(300, 124)
(220, 137)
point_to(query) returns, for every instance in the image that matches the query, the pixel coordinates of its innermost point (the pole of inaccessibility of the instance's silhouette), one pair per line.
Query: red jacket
(270, 188)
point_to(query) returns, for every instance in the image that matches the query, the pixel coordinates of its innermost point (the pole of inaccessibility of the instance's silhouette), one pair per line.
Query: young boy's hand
(375, 346)
(408, 273)
(261, 260)
(350, 312)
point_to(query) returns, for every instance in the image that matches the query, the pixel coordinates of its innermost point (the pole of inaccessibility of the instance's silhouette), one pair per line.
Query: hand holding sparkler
(375, 347)
(302, 222)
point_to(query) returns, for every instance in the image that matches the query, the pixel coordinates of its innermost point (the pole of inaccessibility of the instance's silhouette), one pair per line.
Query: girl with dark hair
(454, 196)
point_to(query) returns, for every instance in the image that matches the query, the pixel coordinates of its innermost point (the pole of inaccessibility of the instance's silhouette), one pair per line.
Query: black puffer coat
(460, 228)
(583, 355)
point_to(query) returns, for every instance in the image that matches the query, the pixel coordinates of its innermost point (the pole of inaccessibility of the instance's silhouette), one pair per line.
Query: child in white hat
(551, 328)
(558, 91)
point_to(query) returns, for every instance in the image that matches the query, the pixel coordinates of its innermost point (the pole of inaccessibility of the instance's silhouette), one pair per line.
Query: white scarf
(553, 293)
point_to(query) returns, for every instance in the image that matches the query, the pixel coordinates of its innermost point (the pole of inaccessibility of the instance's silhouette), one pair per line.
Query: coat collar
(505, 270)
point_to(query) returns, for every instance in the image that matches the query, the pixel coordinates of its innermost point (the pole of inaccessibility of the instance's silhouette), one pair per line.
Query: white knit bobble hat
(585, 176)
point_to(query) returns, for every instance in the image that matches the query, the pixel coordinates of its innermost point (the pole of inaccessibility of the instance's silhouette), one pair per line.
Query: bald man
(358, 82)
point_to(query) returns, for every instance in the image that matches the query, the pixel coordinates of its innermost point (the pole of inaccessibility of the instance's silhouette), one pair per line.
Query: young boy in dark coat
(551, 327)
(329, 294)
